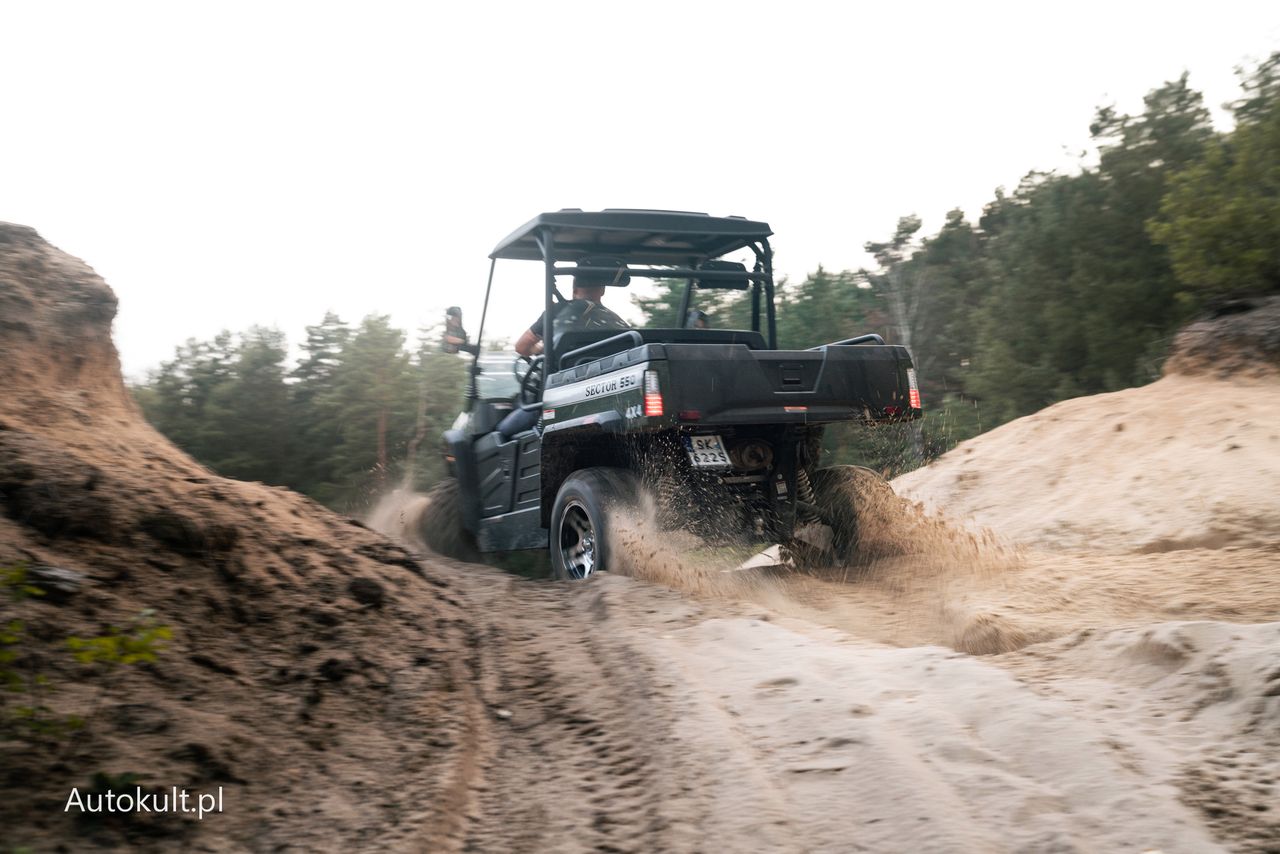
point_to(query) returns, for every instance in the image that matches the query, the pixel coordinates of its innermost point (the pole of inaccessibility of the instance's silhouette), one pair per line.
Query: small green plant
(140, 642)
(13, 579)
(10, 636)
(31, 715)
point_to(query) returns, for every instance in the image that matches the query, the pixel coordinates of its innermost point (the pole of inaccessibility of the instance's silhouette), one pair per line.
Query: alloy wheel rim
(578, 546)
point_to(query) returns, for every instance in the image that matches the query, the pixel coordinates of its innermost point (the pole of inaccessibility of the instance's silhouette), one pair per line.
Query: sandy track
(956, 693)
(593, 743)
(626, 717)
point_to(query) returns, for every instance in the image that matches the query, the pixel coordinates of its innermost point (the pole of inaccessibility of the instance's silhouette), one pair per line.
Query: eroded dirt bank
(320, 675)
(350, 696)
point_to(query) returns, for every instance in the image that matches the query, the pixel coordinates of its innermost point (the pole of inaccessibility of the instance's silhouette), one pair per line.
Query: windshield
(496, 379)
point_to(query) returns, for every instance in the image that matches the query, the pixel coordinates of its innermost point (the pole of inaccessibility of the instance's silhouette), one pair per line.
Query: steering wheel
(531, 382)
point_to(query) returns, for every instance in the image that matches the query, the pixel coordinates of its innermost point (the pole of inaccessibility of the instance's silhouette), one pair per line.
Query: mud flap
(814, 538)
(774, 556)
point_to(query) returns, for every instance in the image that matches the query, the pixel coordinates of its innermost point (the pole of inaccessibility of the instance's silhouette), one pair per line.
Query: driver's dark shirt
(536, 328)
(595, 316)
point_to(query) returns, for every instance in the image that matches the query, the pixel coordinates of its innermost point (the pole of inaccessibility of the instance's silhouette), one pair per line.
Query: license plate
(707, 452)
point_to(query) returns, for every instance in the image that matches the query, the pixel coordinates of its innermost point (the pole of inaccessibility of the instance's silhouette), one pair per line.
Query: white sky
(225, 164)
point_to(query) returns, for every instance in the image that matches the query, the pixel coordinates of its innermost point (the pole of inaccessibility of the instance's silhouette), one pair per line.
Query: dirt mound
(1186, 462)
(1239, 337)
(55, 333)
(316, 670)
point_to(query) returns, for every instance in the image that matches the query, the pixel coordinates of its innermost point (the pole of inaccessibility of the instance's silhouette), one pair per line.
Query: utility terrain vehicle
(721, 427)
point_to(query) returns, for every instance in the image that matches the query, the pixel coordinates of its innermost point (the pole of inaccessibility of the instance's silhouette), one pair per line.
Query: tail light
(652, 394)
(913, 390)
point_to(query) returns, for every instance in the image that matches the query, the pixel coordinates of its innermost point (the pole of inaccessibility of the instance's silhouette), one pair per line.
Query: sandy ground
(1183, 462)
(630, 717)
(1026, 690)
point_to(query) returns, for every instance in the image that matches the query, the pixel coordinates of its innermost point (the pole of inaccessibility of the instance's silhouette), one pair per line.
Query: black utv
(721, 427)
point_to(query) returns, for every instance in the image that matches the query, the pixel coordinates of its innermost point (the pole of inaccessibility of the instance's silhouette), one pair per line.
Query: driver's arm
(529, 344)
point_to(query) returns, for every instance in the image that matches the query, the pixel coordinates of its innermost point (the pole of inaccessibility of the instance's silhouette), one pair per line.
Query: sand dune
(1185, 462)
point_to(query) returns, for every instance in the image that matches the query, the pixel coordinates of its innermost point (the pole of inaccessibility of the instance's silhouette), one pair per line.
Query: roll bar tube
(870, 338)
(762, 274)
(473, 391)
(768, 295)
(764, 258)
(547, 242)
(685, 300)
(630, 335)
(664, 273)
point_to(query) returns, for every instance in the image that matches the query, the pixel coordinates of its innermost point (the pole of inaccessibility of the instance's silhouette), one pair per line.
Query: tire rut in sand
(578, 760)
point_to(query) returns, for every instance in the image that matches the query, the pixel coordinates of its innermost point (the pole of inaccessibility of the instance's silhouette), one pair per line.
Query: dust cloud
(900, 587)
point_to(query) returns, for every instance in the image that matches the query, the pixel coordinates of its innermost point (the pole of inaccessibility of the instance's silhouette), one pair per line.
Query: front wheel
(581, 534)
(439, 524)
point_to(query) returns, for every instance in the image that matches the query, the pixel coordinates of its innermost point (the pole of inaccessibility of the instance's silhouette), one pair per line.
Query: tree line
(359, 412)
(1069, 284)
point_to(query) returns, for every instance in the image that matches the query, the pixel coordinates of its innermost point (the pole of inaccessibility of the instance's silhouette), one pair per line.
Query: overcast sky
(227, 164)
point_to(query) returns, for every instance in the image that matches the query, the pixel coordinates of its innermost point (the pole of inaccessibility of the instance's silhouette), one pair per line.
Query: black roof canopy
(637, 236)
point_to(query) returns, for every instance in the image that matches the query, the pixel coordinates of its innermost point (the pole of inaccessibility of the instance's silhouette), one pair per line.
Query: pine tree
(375, 397)
(317, 410)
(1220, 219)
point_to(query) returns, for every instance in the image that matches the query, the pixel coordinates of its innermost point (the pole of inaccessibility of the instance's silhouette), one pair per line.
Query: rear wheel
(581, 535)
(852, 500)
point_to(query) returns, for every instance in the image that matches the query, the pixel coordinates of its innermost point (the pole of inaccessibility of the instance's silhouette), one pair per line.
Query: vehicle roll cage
(653, 245)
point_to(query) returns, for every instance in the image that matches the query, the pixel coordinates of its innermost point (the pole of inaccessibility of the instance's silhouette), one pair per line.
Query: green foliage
(142, 641)
(341, 426)
(1221, 217)
(13, 580)
(139, 643)
(1067, 294)
(828, 307)
(891, 449)
(725, 309)
(29, 716)
(442, 383)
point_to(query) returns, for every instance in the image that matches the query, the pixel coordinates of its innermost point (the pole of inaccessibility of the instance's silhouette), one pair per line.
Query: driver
(584, 311)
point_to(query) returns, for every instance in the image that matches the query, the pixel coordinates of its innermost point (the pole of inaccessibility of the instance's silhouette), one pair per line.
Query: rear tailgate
(725, 383)
(731, 384)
